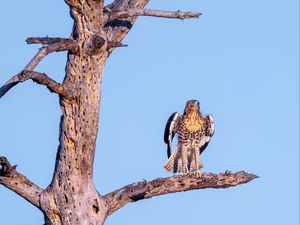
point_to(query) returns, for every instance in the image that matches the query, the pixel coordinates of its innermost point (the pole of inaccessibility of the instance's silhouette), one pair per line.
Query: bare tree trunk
(71, 198)
(72, 193)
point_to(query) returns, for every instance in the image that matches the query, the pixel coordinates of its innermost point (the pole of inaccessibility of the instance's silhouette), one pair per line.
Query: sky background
(240, 60)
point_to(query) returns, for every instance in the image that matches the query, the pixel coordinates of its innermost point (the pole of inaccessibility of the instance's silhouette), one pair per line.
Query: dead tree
(71, 197)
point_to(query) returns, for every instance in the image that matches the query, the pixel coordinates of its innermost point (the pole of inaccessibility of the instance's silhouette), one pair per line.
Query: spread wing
(209, 131)
(170, 130)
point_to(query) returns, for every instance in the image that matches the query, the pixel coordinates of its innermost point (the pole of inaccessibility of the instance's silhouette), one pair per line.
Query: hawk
(194, 133)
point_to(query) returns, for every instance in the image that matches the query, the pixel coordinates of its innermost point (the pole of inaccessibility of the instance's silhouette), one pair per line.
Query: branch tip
(114, 44)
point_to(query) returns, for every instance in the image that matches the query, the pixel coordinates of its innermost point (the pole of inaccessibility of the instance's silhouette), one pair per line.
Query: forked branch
(40, 78)
(148, 189)
(151, 12)
(18, 183)
(62, 45)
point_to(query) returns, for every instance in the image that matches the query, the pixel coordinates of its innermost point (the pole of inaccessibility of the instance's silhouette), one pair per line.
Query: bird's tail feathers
(174, 163)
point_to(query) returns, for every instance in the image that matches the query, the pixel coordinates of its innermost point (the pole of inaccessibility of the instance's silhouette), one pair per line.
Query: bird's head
(192, 106)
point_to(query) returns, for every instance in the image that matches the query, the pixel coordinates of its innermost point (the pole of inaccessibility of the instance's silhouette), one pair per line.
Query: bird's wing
(210, 124)
(170, 130)
(209, 131)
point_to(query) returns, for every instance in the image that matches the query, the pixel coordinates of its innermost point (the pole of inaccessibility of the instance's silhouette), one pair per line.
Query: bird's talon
(198, 174)
(227, 172)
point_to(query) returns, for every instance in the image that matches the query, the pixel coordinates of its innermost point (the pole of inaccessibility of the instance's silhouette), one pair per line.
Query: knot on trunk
(6, 169)
(94, 44)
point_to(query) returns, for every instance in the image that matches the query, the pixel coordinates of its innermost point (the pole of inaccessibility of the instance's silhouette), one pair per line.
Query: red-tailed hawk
(194, 133)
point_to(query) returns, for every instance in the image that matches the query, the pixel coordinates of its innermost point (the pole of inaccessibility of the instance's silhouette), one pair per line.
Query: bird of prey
(194, 133)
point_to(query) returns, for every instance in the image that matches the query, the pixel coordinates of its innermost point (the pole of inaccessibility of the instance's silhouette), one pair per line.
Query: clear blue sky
(240, 59)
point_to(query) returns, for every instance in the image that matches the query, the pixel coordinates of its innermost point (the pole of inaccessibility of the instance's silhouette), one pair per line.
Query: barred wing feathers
(209, 131)
(170, 130)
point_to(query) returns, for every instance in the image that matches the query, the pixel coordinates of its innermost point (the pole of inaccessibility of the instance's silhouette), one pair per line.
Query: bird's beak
(197, 104)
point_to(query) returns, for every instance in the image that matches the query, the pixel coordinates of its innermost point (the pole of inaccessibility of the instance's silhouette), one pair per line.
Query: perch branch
(151, 12)
(18, 183)
(63, 45)
(148, 189)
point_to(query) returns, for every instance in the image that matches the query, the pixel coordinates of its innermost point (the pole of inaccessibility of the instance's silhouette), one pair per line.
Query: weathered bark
(148, 189)
(71, 198)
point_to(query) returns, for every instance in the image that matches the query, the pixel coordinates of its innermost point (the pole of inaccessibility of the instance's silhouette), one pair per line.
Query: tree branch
(115, 45)
(40, 78)
(52, 40)
(120, 15)
(116, 30)
(74, 3)
(63, 45)
(148, 189)
(18, 183)
(151, 12)
(45, 40)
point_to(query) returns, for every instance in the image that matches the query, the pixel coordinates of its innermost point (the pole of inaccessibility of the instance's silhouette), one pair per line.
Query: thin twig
(18, 183)
(148, 189)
